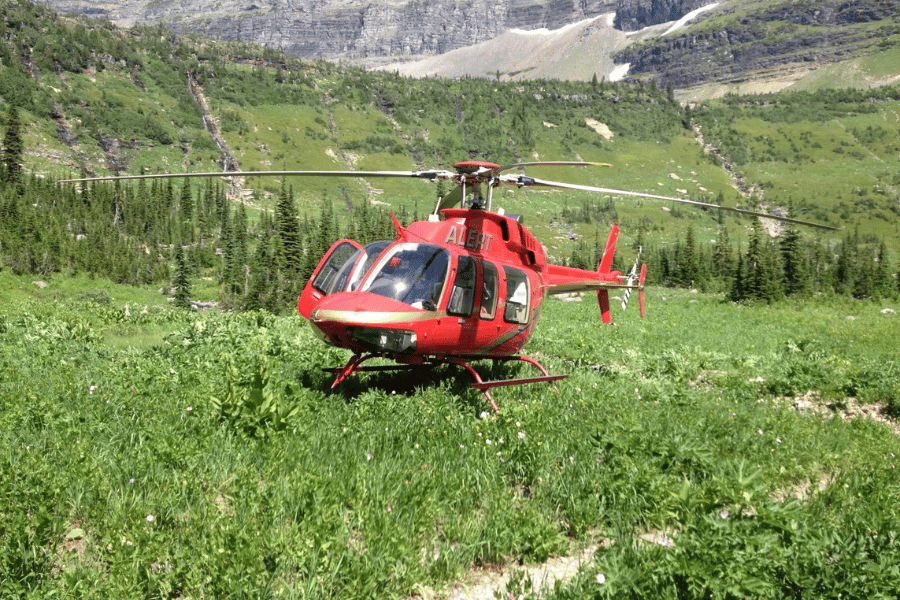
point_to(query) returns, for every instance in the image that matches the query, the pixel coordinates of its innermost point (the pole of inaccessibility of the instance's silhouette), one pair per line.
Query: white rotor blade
(522, 181)
(631, 277)
(431, 175)
(551, 163)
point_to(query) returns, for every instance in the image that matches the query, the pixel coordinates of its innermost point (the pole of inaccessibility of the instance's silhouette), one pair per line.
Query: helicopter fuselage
(471, 284)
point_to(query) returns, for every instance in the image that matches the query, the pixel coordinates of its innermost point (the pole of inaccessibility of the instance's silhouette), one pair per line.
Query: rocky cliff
(633, 15)
(347, 28)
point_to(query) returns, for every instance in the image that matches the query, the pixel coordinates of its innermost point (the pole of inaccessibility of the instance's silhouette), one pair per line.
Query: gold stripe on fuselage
(374, 317)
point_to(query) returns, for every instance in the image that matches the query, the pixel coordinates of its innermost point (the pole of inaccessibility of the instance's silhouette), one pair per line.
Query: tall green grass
(215, 461)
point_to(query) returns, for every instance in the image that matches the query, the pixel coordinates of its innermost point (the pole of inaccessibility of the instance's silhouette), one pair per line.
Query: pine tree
(13, 147)
(287, 226)
(181, 281)
(739, 283)
(723, 255)
(689, 274)
(753, 267)
(884, 282)
(770, 286)
(864, 280)
(186, 206)
(796, 276)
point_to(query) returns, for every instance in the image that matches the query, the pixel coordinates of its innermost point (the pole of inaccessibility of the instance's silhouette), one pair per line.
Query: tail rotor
(629, 282)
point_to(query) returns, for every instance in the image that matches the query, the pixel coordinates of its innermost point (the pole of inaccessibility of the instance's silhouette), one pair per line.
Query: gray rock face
(346, 28)
(633, 15)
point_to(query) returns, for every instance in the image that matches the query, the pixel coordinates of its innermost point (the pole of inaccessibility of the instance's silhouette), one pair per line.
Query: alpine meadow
(166, 426)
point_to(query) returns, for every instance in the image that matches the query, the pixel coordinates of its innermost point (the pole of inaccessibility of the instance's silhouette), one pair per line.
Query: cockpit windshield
(411, 273)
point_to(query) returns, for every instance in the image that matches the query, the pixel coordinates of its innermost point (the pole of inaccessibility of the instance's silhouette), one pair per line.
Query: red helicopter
(466, 284)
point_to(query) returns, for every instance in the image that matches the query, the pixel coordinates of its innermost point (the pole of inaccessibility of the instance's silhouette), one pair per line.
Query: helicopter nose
(367, 322)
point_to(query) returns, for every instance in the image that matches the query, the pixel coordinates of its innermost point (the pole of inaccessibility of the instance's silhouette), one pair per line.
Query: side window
(462, 295)
(489, 289)
(516, 296)
(326, 276)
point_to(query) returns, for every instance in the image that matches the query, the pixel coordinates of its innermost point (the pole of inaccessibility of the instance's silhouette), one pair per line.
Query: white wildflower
(521, 435)
(150, 518)
(600, 578)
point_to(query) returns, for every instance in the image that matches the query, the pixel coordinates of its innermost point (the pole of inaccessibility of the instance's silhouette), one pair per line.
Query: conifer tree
(883, 283)
(796, 277)
(753, 266)
(739, 283)
(723, 257)
(238, 276)
(864, 277)
(262, 275)
(689, 274)
(287, 227)
(13, 146)
(845, 269)
(186, 208)
(181, 282)
(770, 275)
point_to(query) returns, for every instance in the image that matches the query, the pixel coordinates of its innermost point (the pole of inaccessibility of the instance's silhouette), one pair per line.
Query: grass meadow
(170, 454)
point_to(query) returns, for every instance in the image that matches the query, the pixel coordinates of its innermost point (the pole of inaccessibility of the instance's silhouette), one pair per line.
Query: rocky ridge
(759, 46)
(352, 29)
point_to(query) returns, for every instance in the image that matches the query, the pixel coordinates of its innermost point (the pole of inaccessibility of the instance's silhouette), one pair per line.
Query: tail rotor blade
(631, 277)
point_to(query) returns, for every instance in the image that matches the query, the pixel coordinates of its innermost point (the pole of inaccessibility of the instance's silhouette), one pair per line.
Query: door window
(489, 288)
(462, 295)
(517, 296)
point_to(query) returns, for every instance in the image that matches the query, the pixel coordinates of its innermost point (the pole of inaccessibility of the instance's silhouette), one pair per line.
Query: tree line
(767, 269)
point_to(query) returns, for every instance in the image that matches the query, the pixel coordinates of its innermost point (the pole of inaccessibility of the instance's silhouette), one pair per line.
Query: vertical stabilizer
(610, 250)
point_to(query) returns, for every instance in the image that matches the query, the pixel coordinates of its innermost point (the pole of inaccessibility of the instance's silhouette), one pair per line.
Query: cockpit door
(322, 280)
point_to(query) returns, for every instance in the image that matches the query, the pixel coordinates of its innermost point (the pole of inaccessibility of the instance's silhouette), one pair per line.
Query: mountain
(701, 48)
(346, 29)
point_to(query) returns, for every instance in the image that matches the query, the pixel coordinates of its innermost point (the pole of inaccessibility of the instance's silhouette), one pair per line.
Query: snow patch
(561, 30)
(619, 72)
(680, 23)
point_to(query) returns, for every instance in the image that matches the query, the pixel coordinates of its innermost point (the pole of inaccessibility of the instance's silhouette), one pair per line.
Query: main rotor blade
(523, 181)
(551, 163)
(431, 175)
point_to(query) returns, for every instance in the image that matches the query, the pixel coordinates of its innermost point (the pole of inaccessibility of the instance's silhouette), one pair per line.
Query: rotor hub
(473, 166)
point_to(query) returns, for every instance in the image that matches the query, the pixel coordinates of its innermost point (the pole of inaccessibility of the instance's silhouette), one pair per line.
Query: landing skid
(354, 365)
